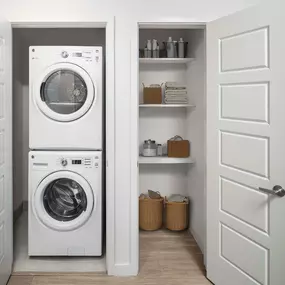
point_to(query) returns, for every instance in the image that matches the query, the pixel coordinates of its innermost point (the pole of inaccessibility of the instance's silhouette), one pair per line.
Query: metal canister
(182, 48)
(170, 48)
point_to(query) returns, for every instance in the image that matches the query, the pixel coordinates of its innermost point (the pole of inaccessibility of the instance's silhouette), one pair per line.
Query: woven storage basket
(176, 215)
(150, 214)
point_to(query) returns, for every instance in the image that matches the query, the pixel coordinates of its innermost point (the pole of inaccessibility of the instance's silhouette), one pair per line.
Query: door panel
(6, 211)
(245, 147)
(249, 47)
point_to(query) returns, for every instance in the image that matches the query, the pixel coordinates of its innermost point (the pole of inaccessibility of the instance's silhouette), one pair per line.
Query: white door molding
(6, 172)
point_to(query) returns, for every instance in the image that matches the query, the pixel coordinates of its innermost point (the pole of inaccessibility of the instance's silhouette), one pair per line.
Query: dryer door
(63, 201)
(64, 92)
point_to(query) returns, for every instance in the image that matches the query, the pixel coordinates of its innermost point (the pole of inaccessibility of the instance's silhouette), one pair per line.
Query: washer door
(63, 201)
(65, 92)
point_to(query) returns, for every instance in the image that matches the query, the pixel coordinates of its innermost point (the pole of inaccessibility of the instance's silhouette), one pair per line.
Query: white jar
(159, 150)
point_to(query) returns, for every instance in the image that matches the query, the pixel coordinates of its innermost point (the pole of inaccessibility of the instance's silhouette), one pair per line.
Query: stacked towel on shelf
(175, 93)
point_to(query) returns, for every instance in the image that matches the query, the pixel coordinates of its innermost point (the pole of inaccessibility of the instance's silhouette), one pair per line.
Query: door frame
(151, 23)
(109, 24)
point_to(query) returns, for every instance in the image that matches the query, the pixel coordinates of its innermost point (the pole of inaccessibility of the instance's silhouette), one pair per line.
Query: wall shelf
(165, 60)
(165, 160)
(166, 106)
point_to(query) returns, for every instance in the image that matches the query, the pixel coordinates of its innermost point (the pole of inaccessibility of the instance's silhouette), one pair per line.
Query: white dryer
(65, 203)
(66, 98)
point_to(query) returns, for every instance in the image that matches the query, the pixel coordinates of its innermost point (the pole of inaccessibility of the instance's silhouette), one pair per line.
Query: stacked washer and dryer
(66, 144)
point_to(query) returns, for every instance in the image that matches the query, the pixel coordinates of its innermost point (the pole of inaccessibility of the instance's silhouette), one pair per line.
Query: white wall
(196, 133)
(87, 10)
(127, 14)
(23, 38)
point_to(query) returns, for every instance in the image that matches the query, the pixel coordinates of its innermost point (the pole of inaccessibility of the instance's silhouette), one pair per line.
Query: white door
(6, 190)
(246, 147)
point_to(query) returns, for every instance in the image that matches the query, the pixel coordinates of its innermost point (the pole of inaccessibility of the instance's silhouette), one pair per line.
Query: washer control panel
(86, 162)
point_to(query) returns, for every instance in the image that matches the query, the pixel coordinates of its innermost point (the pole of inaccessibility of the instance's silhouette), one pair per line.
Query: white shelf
(165, 160)
(166, 106)
(165, 60)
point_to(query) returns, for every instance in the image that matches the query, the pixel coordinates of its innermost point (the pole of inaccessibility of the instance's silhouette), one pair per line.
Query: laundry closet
(184, 118)
(81, 162)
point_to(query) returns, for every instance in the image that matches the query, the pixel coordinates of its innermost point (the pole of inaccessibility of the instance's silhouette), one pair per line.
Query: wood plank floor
(166, 258)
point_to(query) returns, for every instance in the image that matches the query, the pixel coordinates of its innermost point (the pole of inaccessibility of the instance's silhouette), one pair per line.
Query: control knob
(63, 162)
(64, 54)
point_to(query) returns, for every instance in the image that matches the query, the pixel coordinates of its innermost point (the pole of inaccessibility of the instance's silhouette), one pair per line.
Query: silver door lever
(276, 190)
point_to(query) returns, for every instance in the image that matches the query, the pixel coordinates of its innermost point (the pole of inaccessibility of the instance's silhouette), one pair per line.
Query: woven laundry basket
(176, 215)
(150, 213)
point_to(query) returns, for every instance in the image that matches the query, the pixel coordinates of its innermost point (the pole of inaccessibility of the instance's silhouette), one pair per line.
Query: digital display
(76, 161)
(78, 54)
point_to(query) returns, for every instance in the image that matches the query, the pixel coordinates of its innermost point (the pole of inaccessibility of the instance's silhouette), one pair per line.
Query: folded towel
(176, 101)
(175, 92)
(175, 88)
(170, 84)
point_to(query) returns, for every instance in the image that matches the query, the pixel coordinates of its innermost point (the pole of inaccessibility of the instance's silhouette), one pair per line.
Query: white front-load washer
(66, 98)
(65, 203)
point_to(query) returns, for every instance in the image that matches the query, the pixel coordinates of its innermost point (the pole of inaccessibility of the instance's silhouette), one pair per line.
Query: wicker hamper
(150, 213)
(176, 215)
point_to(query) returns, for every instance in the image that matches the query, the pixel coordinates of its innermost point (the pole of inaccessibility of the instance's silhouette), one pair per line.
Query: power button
(64, 54)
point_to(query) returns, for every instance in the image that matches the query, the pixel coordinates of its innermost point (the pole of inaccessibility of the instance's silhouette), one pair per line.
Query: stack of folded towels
(175, 93)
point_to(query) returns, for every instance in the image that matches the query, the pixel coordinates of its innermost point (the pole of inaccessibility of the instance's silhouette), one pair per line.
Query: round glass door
(64, 92)
(63, 201)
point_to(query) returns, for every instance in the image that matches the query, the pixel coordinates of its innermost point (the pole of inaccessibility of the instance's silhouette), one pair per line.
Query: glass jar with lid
(149, 148)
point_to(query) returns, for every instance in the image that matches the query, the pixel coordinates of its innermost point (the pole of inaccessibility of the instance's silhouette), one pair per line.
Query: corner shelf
(166, 106)
(166, 60)
(165, 160)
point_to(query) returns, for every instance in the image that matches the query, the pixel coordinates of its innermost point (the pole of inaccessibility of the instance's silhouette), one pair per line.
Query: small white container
(159, 150)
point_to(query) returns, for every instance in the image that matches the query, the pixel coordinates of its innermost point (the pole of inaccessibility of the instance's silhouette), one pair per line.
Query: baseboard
(25, 205)
(123, 270)
(197, 239)
(18, 212)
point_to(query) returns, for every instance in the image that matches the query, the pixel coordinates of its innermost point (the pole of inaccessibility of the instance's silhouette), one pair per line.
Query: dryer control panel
(71, 54)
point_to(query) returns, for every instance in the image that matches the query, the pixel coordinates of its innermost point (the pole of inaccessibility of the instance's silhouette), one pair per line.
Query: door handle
(277, 190)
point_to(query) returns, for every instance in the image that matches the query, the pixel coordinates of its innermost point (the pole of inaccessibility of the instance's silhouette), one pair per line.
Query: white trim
(198, 240)
(110, 147)
(134, 123)
(162, 60)
(91, 92)
(40, 25)
(174, 25)
(41, 213)
(165, 160)
(166, 106)
(109, 24)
